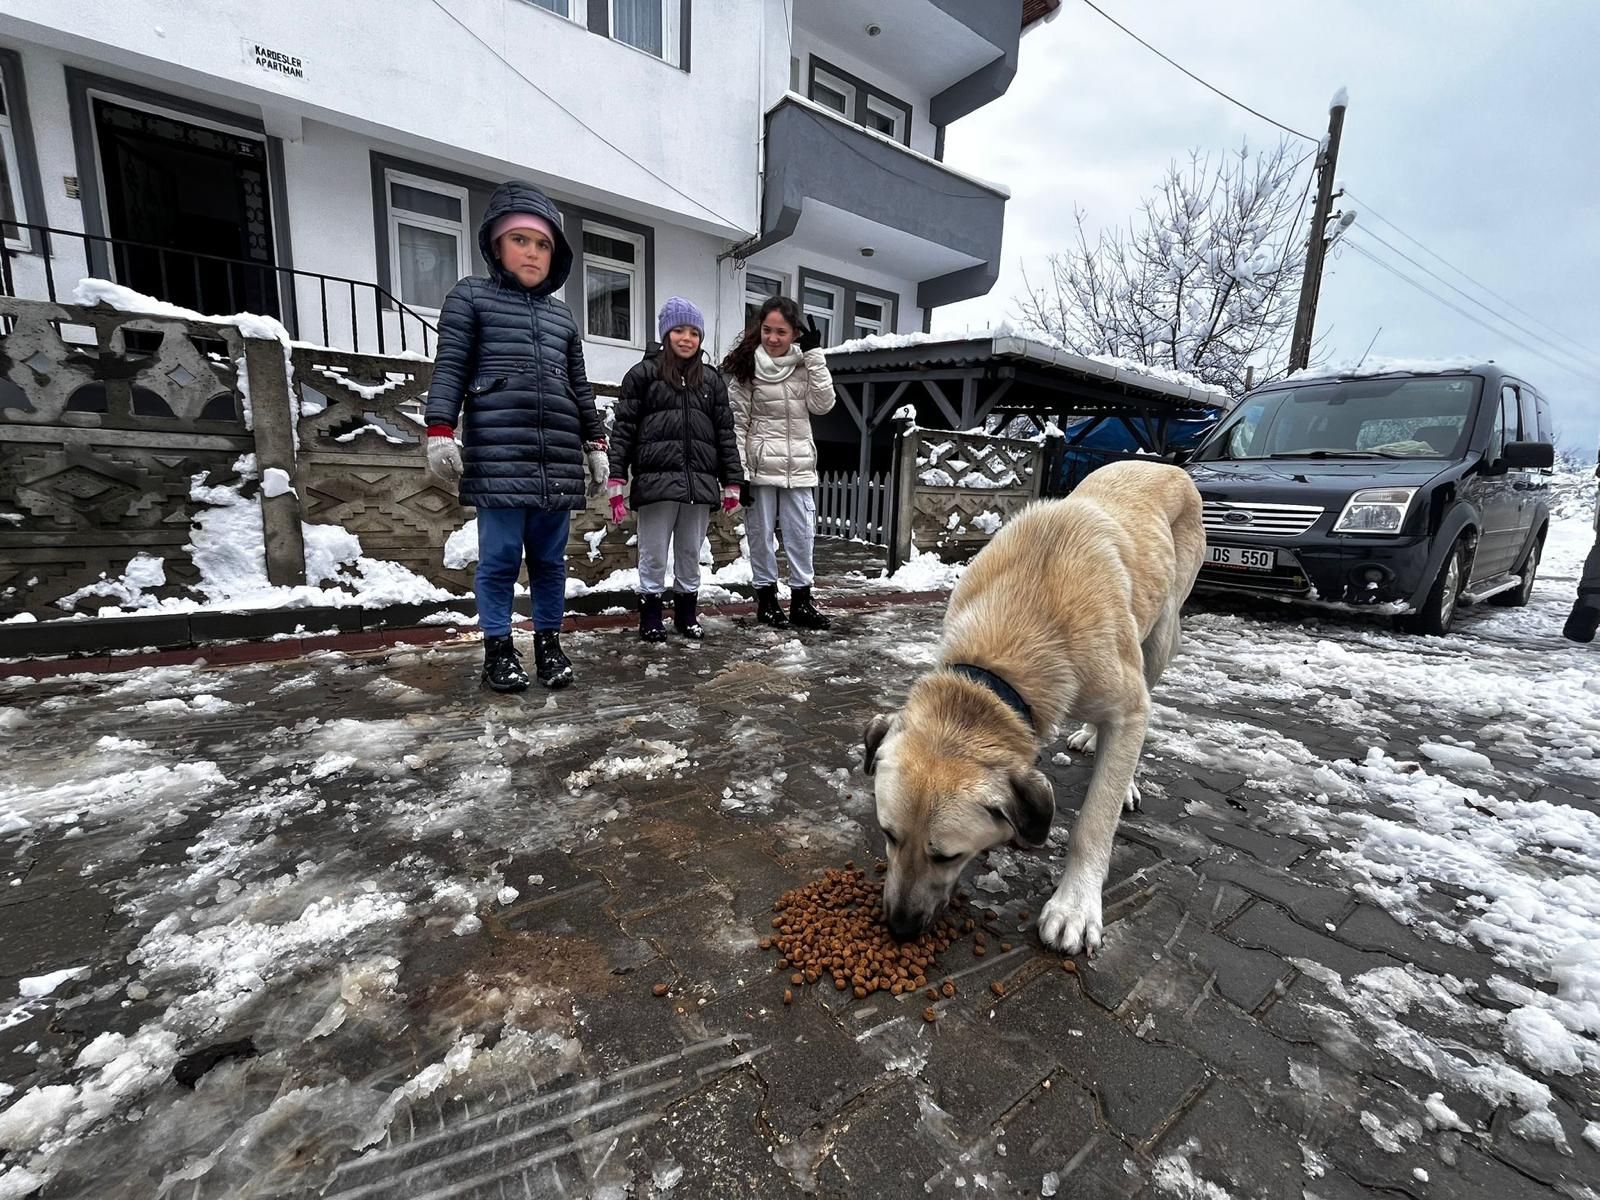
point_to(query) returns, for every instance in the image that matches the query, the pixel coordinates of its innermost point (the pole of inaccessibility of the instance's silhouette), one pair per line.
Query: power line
(1426, 270)
(473, 33)
(1212, 87)
(1367, 208)
(1427, 291)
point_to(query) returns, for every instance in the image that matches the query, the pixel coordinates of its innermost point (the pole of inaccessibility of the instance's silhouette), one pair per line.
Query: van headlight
(1375, 510)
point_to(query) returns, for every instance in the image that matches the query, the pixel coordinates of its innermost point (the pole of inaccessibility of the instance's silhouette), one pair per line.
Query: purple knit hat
(678, 311)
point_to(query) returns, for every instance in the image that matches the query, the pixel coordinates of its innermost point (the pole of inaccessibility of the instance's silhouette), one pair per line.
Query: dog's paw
(1070, 922)
(1131, 802)
(1083, 741)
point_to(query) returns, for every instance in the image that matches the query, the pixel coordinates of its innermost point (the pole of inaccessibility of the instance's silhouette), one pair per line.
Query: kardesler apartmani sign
(276, 62)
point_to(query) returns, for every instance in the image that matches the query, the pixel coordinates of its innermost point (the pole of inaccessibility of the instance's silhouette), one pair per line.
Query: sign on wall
(276, 62)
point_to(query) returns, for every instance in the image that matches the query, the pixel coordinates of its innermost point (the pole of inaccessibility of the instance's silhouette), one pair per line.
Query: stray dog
(1070, 612)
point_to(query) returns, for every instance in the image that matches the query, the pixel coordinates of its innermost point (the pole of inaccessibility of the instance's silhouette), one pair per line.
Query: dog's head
(950, 783)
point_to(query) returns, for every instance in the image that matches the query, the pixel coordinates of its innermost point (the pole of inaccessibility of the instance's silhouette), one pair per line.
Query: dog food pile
(833, 929)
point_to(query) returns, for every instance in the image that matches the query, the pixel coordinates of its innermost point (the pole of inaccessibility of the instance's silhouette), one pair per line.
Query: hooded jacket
(509, 370)
(773, 417)
(679, 442)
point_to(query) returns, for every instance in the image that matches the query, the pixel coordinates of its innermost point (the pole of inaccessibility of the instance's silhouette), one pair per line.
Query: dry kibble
(1022, 914)
(980, 950)
(788, 996)
(1005, 947)
(929, 1014)
(948, 990)
(1068, 965)
(833, 928)
(660, 989)
(998, 988)
(933, 993)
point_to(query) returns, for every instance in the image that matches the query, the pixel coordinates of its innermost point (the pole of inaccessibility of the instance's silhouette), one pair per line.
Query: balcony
(960, 53)
(839, 189)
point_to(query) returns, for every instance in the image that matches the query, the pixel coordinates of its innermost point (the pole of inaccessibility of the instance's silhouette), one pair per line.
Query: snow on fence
(121, 432)
(954, 491)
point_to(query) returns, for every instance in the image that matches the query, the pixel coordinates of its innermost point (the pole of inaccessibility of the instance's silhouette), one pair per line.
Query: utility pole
(1316, 250)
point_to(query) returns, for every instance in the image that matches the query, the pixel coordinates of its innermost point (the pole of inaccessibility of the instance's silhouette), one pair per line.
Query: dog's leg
(1161, 645)
(1071, 919)
(1083, 740)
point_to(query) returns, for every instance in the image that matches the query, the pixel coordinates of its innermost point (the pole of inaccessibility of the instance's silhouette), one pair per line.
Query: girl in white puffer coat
(777, 381)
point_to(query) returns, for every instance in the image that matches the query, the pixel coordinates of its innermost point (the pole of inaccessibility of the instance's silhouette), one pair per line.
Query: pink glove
(619, 505)
(730, 498)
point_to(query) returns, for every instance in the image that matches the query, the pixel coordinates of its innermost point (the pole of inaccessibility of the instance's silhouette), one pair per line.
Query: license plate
(1241, 558)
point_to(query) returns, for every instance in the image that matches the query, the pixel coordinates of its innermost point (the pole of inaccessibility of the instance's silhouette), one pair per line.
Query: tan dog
(1071, 612)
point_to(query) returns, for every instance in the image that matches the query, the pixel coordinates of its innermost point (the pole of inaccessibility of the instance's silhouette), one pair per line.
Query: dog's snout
(904, 926)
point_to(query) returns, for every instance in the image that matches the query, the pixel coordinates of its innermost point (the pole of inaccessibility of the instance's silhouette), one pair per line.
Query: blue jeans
(505, 535)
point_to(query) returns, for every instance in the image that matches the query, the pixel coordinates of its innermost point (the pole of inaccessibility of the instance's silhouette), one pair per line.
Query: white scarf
(776, 370)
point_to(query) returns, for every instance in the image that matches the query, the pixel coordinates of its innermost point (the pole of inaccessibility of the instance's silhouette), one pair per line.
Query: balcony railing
(330, 310)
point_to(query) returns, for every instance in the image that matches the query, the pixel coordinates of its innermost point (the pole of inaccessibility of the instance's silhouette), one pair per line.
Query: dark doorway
(189, 209)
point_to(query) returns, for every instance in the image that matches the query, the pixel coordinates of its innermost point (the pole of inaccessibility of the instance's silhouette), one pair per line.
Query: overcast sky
(1472, 125)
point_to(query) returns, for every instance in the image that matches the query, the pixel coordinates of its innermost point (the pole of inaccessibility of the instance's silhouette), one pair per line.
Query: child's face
(526, 254)
(777, 335)
(684, 340)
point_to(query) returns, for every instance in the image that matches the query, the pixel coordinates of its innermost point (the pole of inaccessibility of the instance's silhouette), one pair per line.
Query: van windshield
(1358, 418)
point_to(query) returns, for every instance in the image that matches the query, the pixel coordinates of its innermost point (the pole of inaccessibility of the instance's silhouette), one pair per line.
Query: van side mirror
(1533, 456)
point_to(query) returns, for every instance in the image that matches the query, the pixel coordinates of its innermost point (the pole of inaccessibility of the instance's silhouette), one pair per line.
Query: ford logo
(1235, 517)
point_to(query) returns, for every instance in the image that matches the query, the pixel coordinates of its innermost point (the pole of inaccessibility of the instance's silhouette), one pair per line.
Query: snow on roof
(1378, 365)
(1007, 339)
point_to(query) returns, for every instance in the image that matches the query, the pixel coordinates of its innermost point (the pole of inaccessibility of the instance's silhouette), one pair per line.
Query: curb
(383, 633)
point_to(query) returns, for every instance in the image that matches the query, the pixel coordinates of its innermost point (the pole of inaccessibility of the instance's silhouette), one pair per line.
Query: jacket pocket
(484, 384)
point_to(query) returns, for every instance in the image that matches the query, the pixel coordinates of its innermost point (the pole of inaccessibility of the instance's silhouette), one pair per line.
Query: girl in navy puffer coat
(510, 369)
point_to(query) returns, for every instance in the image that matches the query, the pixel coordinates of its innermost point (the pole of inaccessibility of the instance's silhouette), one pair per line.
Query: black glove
(744, 493)
(811, 339)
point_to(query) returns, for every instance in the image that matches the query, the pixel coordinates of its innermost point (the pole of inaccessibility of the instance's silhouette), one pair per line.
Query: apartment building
(326, 161)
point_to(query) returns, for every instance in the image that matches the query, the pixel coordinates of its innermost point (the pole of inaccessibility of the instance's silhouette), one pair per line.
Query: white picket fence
(847, 509)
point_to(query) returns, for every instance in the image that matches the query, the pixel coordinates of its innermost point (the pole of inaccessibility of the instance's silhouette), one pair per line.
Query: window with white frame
(872, 316)
(573, 10)
(10, 177)
(821, 301)
(613, 285)
(828, 90)
(649, 25)
(885, 118)
(428, 238)
(759, 287)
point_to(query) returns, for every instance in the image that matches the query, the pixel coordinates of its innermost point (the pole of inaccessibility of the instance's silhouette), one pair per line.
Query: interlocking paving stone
(1267, 927)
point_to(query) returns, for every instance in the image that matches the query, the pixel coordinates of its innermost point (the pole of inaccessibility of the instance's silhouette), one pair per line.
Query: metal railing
(194, 279)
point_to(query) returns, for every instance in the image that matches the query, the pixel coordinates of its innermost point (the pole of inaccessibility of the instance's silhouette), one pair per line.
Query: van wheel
(1439, 608)
(1519, 596)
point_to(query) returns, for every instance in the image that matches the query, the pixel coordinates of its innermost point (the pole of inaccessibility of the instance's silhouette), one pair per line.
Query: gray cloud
(1471, 124)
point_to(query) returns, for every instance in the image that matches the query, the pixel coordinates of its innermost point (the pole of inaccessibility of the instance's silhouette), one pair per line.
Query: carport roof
(910, 353)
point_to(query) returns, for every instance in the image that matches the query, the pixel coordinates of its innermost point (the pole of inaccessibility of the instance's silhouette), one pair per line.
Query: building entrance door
(189, 209)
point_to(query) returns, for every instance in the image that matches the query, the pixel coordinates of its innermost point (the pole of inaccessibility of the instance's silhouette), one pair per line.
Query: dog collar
(1008, 694)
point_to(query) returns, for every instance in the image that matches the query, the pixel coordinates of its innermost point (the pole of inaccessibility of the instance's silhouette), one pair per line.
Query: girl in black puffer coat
(510, 370)
(674, 429)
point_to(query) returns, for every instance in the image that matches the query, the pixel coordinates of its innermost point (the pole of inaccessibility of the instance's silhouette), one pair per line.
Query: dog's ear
(877, 729)
(1030, 807)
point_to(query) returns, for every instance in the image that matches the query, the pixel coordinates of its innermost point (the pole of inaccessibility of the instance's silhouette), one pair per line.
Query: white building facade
(328, 162)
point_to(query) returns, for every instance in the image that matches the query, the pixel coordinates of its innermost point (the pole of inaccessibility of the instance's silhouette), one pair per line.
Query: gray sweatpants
(795, 511)
(682, 525)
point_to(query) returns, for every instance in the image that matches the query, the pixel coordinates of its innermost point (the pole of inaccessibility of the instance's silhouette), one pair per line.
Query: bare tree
(1205, 280)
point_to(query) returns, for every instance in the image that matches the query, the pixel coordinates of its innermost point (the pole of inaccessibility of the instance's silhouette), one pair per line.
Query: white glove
(599, 469)
(444, 458)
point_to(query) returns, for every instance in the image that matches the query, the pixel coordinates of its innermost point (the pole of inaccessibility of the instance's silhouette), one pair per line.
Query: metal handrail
(41, 242)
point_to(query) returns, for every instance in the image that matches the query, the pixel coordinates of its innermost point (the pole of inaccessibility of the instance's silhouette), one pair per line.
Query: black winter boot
(802, 613)
(554, 667)
(768, 610)
(650, 627)
(683, 618)
(502, 666)
(1584, 621)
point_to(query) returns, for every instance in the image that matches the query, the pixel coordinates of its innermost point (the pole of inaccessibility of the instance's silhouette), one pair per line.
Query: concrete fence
(107, 418)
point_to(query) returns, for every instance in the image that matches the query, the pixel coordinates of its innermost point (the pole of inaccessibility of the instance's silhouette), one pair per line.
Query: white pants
(795, 510)
(684, 526)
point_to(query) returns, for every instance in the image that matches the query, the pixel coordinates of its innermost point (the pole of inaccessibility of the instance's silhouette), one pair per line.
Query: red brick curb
(238, 653)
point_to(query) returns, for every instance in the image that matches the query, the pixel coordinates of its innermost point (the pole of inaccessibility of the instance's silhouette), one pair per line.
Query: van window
(1508, 402)
(1497, 436)
(1547, 429)
(1530, 413)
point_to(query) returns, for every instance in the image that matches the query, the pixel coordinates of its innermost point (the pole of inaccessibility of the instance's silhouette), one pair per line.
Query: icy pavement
(345, 927)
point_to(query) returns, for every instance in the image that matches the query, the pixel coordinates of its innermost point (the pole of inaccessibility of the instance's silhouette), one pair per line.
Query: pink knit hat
(520, 220)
